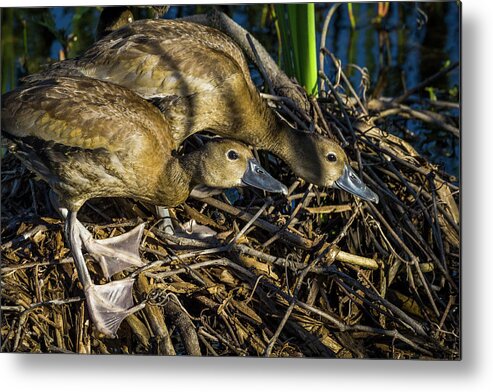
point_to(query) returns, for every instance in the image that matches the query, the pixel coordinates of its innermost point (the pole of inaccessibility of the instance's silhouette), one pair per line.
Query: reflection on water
(412, 42)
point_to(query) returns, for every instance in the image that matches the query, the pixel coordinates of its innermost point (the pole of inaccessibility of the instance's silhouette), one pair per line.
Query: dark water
(412, 42)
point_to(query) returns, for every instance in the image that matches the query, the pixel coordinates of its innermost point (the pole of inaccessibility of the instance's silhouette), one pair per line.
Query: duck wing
(83, 113)
(85, 137)
(159, 58)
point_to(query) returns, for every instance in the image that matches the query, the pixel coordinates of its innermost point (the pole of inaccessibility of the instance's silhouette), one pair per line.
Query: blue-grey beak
(351, 183)
(255, 175)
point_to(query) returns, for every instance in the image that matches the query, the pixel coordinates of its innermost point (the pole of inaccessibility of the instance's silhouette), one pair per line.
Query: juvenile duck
(87, 138)
(200, 80)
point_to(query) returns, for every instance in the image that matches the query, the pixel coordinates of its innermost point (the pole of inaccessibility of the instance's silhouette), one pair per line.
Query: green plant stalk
(352, 19)
(278, 32)
(285, 39)
(293, 21)
(302, 22)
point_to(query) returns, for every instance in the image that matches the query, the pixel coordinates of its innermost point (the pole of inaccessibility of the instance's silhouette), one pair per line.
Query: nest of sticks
(319, 274)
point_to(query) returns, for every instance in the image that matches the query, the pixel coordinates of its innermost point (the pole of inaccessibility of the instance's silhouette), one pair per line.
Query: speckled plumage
(200, 80)
(89, 138)
(197, 72)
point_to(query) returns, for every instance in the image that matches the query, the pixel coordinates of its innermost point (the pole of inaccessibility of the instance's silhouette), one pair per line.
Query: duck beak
(351, 183)
(255, 175)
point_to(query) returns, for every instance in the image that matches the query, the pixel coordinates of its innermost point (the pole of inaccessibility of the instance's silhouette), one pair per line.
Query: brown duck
(200, 79)
(87, 138)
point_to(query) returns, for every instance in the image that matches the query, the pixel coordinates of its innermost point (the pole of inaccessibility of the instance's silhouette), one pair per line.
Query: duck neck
(257, 124)
(283, 141)
(191, 166)
(173, 183)
(299, 150)
(234, 110)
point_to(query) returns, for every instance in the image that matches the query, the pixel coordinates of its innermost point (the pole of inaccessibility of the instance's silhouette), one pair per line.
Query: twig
(323, 40)
(245, 216)
(425, 83)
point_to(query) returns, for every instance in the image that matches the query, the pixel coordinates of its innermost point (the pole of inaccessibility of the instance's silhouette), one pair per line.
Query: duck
(200, 80)
(113, 18)
(88, 138)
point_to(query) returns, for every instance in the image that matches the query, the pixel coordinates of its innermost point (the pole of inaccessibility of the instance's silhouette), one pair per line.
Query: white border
(78, 373)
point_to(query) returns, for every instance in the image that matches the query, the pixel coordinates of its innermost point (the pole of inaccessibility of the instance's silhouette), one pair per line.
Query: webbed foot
(109, 304)
(193, 230)
(117, 253)
(190, 229)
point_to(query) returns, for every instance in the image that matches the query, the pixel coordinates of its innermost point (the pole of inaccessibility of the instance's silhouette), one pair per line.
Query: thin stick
(425, 83)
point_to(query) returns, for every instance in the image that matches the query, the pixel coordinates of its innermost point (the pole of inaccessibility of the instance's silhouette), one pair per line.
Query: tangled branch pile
(317, 274)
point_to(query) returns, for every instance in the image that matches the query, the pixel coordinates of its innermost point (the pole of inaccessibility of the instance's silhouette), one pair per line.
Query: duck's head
(324, 163)
(224, 163)
(113, 18)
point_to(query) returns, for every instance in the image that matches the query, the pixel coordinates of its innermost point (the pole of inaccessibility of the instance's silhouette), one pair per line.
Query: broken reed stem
(360, 261)
(271, 228)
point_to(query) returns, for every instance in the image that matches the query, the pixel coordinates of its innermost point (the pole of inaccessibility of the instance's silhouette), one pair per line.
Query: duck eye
(232, 155)
(332, 157)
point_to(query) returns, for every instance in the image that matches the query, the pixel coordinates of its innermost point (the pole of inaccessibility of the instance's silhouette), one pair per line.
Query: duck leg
(166, 225)
(114, 254)
(108, 304)
(190, 229)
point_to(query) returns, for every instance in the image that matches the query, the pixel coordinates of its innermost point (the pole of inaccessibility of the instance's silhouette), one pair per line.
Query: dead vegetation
(318, 273)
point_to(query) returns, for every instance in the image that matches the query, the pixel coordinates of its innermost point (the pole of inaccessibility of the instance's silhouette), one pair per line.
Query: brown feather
(203, 80)
(89, 138)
